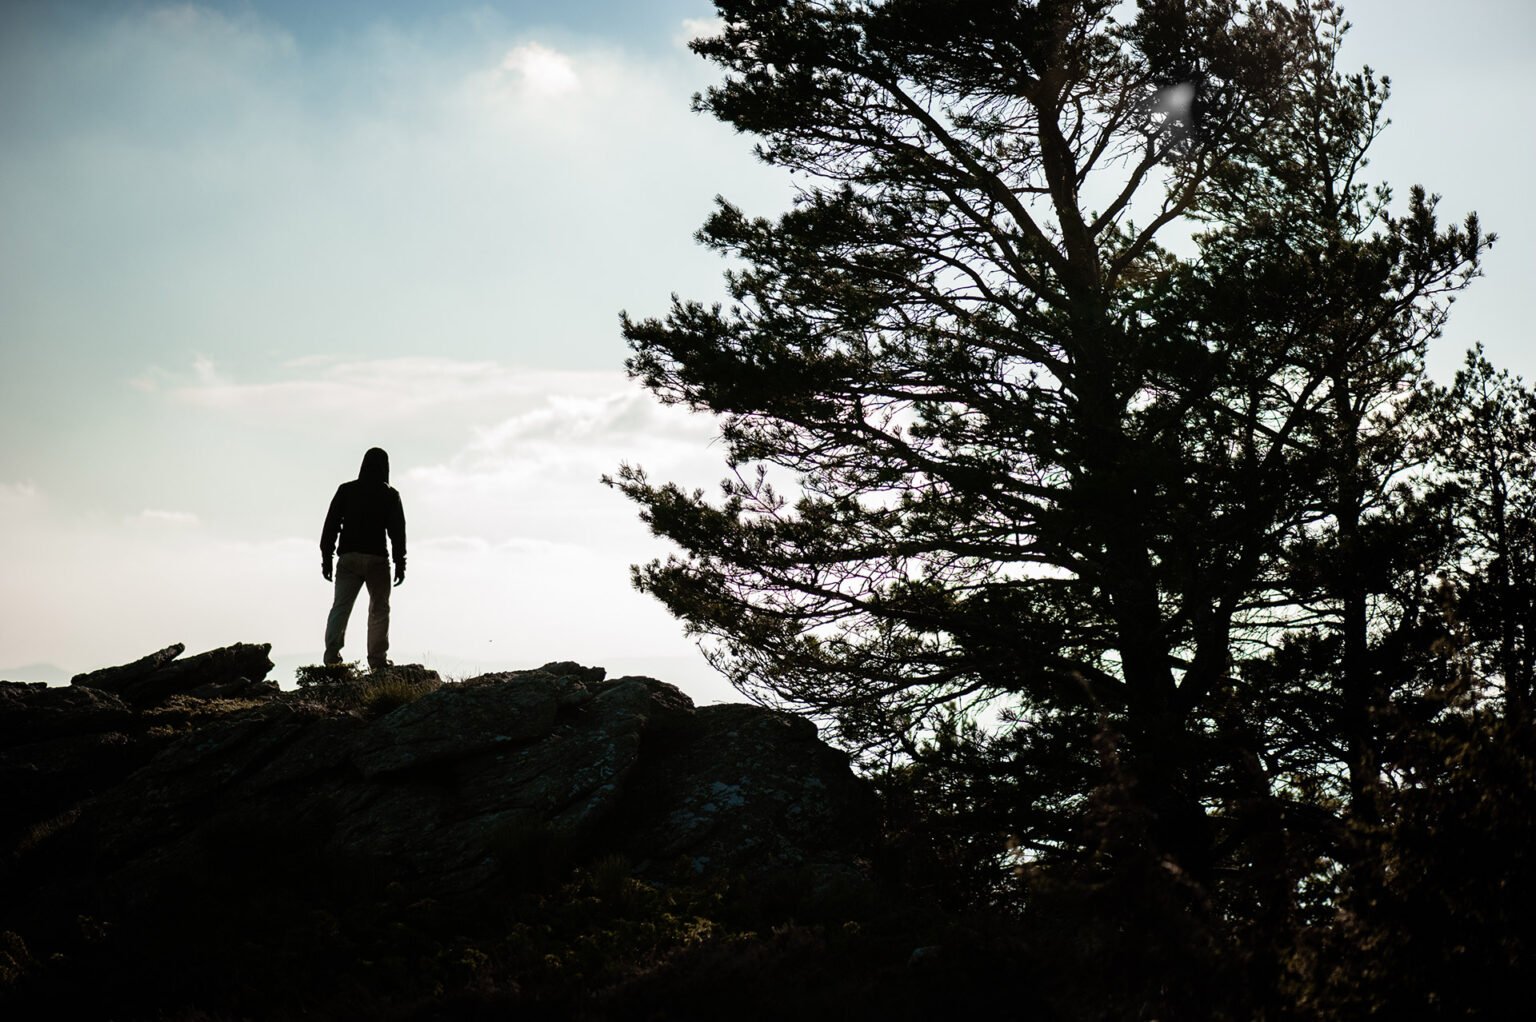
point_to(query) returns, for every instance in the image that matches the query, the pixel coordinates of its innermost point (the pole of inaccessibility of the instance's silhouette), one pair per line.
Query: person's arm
(328, 533)
(396, 529)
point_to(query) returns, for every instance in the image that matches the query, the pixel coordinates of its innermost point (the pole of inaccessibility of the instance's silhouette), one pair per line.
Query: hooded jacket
(364, 510)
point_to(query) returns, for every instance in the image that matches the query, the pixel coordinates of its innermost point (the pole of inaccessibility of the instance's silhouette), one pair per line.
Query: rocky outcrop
(116, 679)
(62, 745)
(745, 784)
(178, 832)
(59, 746)
(34, 711)
(229, 671)
(456, 796)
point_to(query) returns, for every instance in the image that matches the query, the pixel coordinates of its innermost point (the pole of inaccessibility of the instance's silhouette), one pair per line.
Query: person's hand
(325, 569)
(399, 573)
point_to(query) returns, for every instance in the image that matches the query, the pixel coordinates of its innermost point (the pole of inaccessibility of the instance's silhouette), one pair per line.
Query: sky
(241, 241)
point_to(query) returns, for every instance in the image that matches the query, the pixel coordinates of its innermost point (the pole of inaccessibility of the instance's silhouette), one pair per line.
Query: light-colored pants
(353, 571)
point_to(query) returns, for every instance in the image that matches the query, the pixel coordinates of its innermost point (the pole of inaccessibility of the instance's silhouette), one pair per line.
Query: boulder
(32, 712)
(153, 679)
(116, 679)
(745, 785)
(498, 711)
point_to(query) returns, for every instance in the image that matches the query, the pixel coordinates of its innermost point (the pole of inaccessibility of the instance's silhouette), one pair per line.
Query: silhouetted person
(363, 511)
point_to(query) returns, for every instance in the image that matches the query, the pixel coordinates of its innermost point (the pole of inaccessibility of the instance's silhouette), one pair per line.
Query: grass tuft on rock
(393, 688)
(373, 693)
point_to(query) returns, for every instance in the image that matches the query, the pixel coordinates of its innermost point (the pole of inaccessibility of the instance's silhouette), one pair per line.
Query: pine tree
(1083, 346)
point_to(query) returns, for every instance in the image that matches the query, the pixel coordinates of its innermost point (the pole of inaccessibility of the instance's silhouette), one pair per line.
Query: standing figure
(363, 511)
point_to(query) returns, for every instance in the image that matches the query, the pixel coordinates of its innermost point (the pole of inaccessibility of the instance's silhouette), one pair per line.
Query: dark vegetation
(1085, 477)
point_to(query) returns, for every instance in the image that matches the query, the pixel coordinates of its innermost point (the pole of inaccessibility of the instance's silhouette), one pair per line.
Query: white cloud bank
(384, 389)
(481, 449)
(155, 517)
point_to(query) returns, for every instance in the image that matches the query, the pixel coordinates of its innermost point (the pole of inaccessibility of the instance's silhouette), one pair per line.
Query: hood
(375, 466)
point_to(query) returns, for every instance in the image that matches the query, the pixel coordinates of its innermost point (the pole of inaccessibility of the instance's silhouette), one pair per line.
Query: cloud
(535, 474)
(514, 424)
(566, 423)
(565, 436)
(156, 517)
(700, 28)
(480, 449)
(543, 72)
(560, 106)
(389, 389)
(205, 373)
(24, 510)
(18, 495)
(213, 187)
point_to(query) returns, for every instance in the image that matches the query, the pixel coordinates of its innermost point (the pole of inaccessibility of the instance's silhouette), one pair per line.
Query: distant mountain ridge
(50, 674)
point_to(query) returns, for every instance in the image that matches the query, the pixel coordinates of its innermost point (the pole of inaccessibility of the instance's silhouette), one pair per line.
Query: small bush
(339, 686)
(327, 675)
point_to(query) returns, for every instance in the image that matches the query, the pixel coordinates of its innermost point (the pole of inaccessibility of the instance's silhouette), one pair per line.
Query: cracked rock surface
(118, 795)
